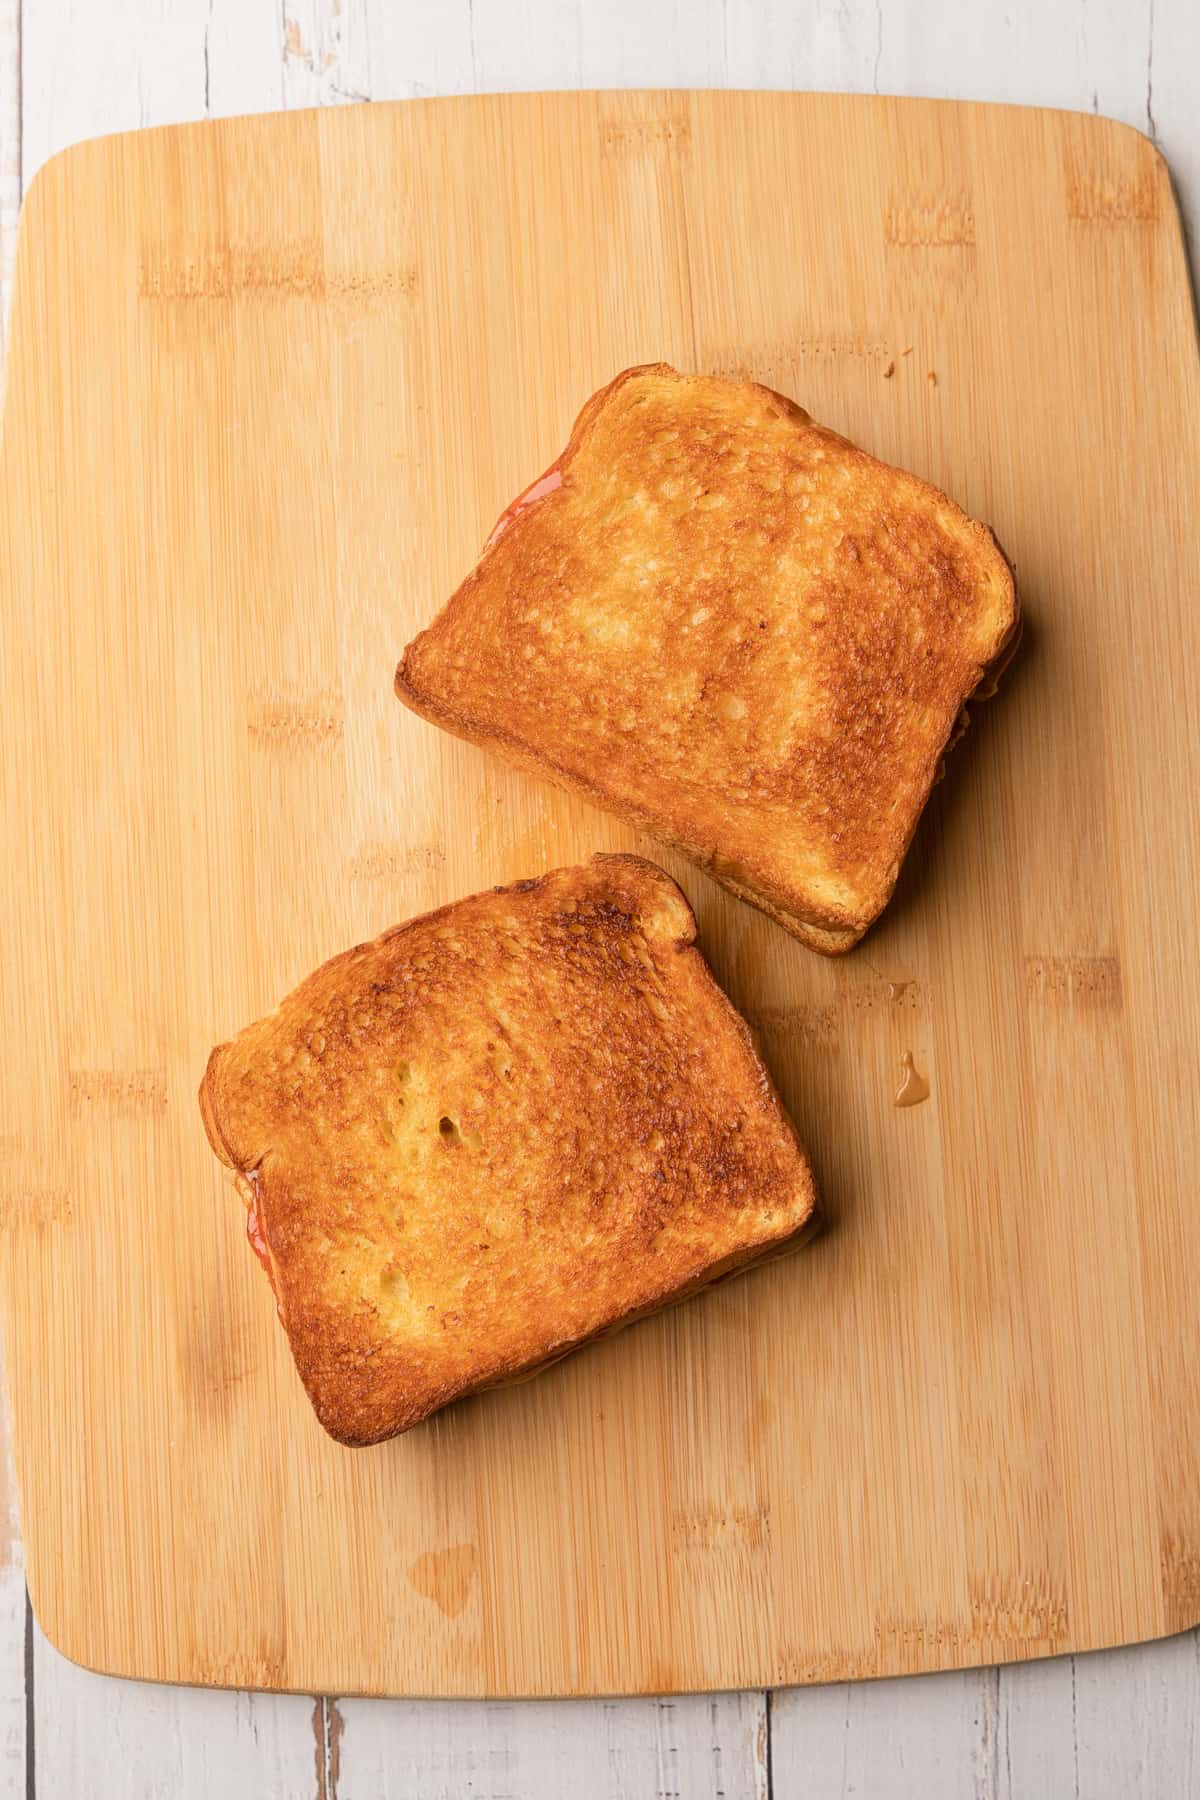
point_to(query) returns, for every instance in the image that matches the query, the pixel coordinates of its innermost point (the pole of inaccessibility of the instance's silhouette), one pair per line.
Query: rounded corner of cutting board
(1130, 141)
(66, 1634)
(59, 169)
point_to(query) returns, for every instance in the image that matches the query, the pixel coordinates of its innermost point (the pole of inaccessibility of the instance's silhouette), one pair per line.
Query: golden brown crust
(735, 629)
(496, 1132)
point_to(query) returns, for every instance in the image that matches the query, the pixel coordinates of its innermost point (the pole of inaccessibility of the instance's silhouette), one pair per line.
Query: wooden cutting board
(271, 382)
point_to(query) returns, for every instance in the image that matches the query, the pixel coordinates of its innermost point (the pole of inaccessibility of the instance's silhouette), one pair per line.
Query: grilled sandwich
(734, 629)
(496, 1132)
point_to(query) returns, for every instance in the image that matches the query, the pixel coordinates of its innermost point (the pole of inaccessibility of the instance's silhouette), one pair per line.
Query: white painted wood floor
(1104, 1727)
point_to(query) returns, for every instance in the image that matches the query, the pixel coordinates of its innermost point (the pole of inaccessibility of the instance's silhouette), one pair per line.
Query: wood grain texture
(704, 1747)
(1109, 58)
(1120, 1723)
(14, 1603)
(13, 1629)
(915, 1447)
(1114, 58)
(99, 1739)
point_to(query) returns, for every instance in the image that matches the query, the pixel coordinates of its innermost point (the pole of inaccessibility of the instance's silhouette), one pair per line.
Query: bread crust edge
(827, 930)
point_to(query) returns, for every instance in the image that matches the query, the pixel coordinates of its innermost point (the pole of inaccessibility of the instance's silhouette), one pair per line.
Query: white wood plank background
(1105, 1727)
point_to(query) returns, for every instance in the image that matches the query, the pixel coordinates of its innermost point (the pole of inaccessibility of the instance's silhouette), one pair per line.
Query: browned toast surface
(496, 1131)
(732, 627)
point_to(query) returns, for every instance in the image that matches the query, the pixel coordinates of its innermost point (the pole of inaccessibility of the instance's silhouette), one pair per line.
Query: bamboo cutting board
(272, 380)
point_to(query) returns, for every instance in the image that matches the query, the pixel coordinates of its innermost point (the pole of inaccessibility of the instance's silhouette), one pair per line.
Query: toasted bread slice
(495, 1132)
(734, 629)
